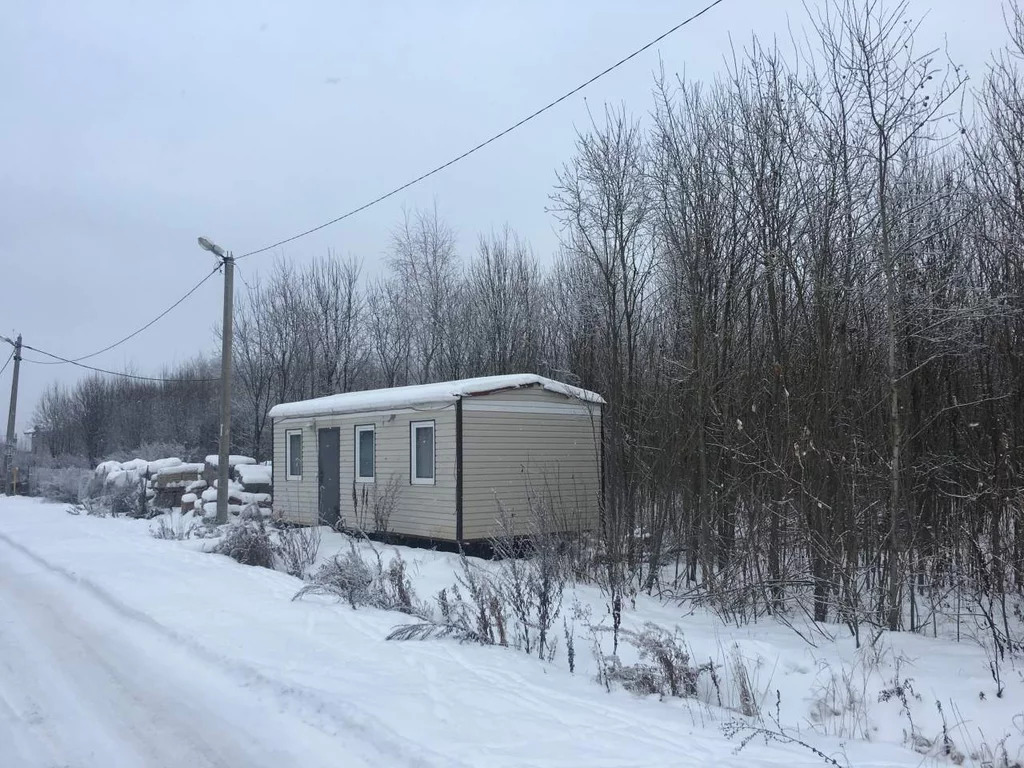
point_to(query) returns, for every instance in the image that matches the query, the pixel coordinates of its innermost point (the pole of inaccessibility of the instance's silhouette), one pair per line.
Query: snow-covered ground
(117, 649)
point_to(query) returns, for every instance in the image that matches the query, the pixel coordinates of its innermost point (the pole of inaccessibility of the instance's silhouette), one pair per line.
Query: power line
(492, 139)
(109, 373)
(7, 363)
(59, 360)
(242, 277)
(133, 334)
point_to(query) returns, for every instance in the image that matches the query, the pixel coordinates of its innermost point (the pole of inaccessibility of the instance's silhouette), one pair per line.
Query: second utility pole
(10, 445)
(223, 469)
(223, 466)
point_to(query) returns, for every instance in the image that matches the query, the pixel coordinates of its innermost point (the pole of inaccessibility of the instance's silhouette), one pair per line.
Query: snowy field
(118, 649)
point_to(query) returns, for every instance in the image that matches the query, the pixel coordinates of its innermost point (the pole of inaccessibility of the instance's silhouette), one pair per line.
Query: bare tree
(603, 202)
(899, 108)
(390, 332)
(335, 314)
(424, 263)
(503, 295)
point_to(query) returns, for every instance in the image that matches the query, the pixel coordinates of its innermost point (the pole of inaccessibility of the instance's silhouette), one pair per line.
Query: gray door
(329, 474)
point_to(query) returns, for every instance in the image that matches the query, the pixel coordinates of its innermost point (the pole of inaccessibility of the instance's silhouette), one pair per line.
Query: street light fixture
(213, 248)
(223, 477)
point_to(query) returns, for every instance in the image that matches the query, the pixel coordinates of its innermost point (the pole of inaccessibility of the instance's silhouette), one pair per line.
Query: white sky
(128, 129)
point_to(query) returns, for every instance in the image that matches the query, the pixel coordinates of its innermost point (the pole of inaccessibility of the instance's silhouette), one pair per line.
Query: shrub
(122, 499)
(351, 578)
(746, 732)
(532, 576)
(93, 487)
(174, 527)
(297, 548)
(397, 586)
(347, 577)
(373, 505)
(748, 703)
(66, 485)
(479, 618)
(664, 667)
(247, 541)
(839, 701)
(139, 506)
(91, 507)
(516, 606)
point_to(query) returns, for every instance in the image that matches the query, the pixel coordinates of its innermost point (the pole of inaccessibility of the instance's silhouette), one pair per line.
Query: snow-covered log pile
(213, 463)
(249, 486)
(112, 476)
(239, 499)
(172, 482)
(257, 478)
(118, 474)
(190, 499)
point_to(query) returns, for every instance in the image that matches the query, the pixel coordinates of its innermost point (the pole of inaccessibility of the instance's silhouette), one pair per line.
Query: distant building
(37, 442)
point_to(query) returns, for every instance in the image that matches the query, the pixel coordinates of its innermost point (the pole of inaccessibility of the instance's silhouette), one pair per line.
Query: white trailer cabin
(445, 461)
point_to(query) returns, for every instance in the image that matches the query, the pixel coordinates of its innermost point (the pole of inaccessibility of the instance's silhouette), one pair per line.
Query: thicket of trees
(799, 288)
(103, 416)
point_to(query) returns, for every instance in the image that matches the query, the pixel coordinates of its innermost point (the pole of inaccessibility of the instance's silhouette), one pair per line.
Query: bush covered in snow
(471, 610)
(248, 542)
(122, 482)
(297, 548)
(664, 667)
(175, 526)
(351, 578)
(516, 603)
(121, 499)
(65, 485)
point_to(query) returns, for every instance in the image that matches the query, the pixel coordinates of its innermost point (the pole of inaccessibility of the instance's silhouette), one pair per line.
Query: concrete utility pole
(11, 414)
(223, 469)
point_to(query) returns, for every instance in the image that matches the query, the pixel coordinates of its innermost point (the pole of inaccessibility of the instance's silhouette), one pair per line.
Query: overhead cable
(491, 140)
(109, 373)
(133, 334)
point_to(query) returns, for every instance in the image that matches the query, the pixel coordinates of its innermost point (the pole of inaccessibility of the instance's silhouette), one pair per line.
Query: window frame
(413, 427)
(359, 429)
(288, 434)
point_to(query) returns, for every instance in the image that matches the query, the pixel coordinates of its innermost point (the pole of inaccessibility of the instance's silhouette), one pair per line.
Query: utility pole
(11, 414)
(223, 469)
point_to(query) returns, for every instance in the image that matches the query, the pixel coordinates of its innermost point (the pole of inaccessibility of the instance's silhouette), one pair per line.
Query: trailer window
(293, 447)
(365, 444)
(422, 450)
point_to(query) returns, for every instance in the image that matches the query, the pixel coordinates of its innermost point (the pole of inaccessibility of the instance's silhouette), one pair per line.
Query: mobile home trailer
(452, 461)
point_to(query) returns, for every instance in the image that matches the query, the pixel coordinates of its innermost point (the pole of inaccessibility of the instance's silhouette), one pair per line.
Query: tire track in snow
(76, 690)
(556, 706)
(329, 716)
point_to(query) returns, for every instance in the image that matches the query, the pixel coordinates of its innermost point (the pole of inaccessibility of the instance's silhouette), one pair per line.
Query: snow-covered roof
(234, 460)
(423, 394)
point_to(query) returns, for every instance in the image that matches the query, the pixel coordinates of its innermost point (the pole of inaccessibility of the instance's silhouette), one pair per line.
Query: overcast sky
(128, 129)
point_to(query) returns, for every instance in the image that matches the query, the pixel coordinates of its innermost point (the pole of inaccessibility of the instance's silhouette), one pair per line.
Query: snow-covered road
(80, 687)
(122, 651)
